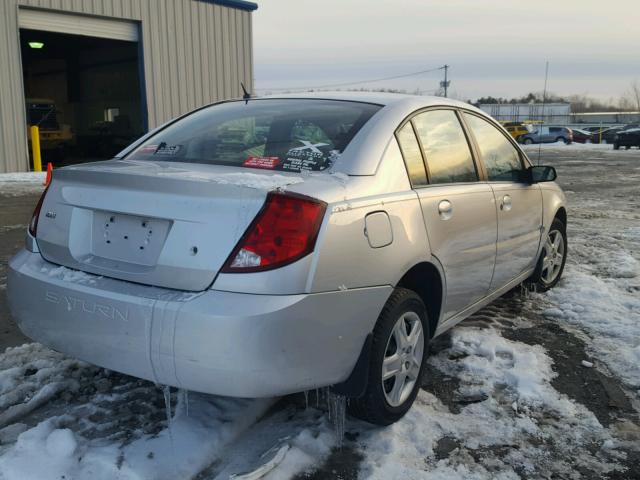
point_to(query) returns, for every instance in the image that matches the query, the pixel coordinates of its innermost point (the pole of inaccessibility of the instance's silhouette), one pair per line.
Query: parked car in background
(581, 136)
(277, 245)
(627, 138)
(609, 133)
(606, 135)
(516, 129)
(542, 134)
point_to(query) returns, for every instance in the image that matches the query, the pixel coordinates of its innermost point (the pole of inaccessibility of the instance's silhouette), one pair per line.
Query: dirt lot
(534, 386)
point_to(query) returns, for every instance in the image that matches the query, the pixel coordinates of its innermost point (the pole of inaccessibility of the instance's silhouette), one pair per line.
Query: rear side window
(275, 134)
(445, 147)
(501, 159)
(412, 156)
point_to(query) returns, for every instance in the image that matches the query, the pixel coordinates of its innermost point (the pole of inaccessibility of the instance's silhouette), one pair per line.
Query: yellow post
(35, 148)
(600, 141)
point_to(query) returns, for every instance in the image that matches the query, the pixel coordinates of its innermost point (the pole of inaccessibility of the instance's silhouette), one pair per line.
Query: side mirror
(541, 173)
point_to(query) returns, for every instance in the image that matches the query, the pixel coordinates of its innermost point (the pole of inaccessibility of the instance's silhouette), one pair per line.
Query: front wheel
(398, 353)
(527, 141)
(616, 146)
(552, 259)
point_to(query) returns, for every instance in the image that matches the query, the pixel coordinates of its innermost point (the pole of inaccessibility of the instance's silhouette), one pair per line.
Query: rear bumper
(217, 342)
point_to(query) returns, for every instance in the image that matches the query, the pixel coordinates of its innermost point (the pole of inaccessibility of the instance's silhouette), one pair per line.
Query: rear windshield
(289, 135)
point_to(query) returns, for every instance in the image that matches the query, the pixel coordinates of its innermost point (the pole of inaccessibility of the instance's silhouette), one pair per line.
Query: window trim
(524, 160)
(404, 160)
(409, 119)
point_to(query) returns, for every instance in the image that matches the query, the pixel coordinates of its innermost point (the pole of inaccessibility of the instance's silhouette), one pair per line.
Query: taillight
(284, 231)
(33, 224)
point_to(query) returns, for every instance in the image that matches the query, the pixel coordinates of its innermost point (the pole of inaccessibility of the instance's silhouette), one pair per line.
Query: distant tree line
(628, 102)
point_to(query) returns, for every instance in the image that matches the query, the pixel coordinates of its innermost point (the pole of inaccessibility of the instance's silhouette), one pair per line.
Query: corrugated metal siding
(194, 53)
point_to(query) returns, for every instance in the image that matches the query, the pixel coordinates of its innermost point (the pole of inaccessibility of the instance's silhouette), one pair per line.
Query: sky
(493, 47)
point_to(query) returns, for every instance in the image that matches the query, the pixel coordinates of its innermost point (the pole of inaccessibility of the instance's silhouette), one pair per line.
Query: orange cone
(47, 180)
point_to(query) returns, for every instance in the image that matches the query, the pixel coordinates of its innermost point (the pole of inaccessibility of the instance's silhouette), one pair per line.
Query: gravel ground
(533, 386)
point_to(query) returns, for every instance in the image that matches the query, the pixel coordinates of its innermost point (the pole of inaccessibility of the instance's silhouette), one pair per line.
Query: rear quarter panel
(344, 257)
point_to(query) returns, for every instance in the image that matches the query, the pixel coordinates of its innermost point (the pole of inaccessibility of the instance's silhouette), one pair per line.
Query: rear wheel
(616, 146)
(562, 139)
(552, 259)
(398, 353)
(527, 141)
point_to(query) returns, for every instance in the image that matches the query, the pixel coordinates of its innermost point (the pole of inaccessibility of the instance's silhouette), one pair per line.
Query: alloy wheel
(553, 259)
(402, 359)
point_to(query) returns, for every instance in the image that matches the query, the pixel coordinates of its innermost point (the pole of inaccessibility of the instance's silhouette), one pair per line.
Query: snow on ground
(571, 146)
(13, 184)
(106, 426)
(493, 406)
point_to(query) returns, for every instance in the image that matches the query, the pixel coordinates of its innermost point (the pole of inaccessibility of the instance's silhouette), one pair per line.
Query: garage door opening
(83, 92)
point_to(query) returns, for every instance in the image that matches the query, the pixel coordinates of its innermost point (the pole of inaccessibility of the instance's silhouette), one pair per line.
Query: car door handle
(445, 209)
(506, 204)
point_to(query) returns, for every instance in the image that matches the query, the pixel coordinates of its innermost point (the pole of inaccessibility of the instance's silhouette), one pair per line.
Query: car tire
(616, 146)
(527, 141)
(385, 401)
(552, 258)
(561, 139)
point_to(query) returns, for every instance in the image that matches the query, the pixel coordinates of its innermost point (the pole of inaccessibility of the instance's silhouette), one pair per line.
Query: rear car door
(518, 203)
(458, 210)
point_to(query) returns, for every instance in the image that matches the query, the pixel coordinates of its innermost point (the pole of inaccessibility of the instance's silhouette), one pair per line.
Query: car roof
(380, 98)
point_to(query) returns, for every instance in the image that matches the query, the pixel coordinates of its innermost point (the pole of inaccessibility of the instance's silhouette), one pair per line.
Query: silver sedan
(288, 243)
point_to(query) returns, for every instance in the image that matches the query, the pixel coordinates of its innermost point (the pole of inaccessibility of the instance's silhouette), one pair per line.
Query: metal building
(94, 74)
(558, 113)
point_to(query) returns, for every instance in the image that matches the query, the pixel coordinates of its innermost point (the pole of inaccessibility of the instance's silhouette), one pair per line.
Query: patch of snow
(22, 183)
(265, 468)
(514, 418)
(23, 177)
(8, 228)
(568, 146)
(11, 432)
(69, 275)
(342, 177)
(609, 314)
(243, 179)
(307, 449)
(61, 443)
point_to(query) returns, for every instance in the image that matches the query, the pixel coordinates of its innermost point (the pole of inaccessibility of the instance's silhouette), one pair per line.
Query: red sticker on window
(262, 162)
(148, 149)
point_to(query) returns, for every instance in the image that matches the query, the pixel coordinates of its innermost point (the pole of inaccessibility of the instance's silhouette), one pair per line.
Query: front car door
(518, 204)
(459, 210)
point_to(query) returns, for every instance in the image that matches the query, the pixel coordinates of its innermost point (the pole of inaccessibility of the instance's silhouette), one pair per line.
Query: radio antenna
(544, 101)
(246, 96)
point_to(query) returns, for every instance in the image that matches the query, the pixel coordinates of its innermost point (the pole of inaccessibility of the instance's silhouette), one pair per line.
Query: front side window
(501, 159)
(412, 156)
(445, 147)
(276, 134)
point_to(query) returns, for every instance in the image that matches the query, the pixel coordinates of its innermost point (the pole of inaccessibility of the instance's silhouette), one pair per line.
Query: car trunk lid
(157, 223)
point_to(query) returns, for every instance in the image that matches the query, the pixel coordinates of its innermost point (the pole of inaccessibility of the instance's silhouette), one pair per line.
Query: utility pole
(446, 82)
